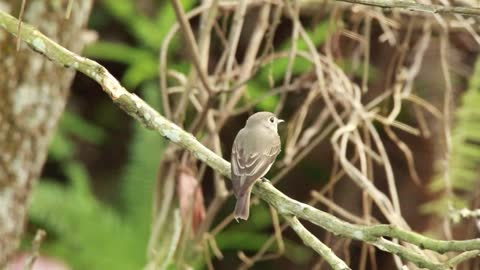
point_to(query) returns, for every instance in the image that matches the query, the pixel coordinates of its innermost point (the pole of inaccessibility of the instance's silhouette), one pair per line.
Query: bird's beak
(280, 121)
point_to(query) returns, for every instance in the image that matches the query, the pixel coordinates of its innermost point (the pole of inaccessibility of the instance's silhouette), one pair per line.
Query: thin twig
(278, 230)
(191, 44)
(337, 209)
(366, 54)
(291, 58)
(406, 152)
(250, 55)
(234, 37)
(310, 240)
(447, 108)
(69, 9)
(37, 241)
(20, 18)
(162, 71)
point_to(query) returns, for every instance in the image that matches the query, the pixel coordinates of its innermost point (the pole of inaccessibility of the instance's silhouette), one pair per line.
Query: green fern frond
(89, 234)
(464, 161)
(82, 231)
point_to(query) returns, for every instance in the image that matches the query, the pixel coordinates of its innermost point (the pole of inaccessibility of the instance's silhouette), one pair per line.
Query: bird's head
(264, 119)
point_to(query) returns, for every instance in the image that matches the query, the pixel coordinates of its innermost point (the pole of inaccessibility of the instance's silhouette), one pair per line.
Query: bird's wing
(248, 167)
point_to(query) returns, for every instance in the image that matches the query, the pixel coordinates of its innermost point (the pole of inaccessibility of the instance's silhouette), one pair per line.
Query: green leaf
(149, 32)
(256, 91)
(61, 148)
(117, 52)
(318, 35)
(166, 18)
(78, 176)
(143, 70)
(121, 9)
(441, 206)
(276, 69)
(347, 67)
(74, 124)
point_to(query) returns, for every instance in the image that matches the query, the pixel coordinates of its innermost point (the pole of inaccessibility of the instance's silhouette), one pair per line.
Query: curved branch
(285, 205)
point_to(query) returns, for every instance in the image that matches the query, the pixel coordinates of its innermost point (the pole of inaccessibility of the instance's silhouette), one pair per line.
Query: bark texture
(33, 93)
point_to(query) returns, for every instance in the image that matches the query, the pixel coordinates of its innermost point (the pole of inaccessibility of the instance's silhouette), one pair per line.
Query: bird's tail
(242, 207)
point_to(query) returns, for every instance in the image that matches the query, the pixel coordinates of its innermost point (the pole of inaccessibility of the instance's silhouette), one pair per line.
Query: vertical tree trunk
(33, 92)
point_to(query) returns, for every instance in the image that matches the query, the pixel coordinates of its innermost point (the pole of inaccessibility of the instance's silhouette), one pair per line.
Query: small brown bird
(254, 150)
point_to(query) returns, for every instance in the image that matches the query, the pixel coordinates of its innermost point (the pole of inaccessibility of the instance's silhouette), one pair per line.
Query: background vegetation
(106, 175)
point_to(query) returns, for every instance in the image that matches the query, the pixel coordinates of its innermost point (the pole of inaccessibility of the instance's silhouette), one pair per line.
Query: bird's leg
(264, 180)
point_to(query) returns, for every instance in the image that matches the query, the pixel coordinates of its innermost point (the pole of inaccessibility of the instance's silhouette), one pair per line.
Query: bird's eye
(271, 119)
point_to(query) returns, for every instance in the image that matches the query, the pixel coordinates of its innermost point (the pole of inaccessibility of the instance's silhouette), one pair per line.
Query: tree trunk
(33, 93)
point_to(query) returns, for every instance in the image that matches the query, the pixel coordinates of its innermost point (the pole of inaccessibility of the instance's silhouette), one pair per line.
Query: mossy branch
(286, 206)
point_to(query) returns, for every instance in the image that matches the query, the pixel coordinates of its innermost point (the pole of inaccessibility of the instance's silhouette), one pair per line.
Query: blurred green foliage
(87, 233)
(257, 232)
(274, 71)
(84, 231)
(465, 153)
(91, 234)
(148, 34)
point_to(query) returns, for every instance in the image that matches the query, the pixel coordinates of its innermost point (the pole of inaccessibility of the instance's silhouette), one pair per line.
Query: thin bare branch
(310, 240)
